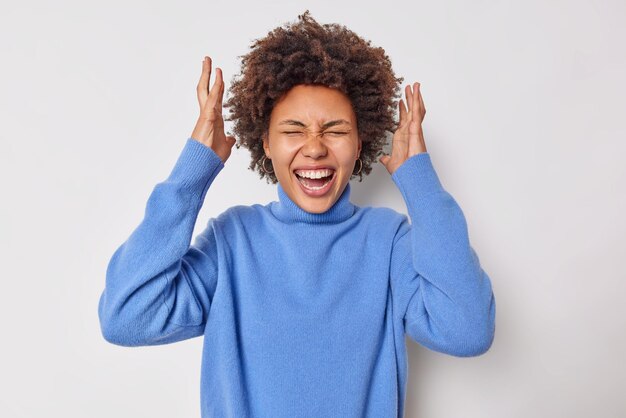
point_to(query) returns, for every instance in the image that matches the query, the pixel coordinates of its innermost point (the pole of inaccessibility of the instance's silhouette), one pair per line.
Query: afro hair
(306, 52)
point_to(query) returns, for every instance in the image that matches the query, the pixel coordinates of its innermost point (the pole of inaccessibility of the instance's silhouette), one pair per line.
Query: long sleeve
(436, 277)
(158, 288)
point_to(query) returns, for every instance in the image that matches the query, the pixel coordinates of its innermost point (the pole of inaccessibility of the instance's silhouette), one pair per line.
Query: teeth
(316, 188)
(314, 174)
(303, 182)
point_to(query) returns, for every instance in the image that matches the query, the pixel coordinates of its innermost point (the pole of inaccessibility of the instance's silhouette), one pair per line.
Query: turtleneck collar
(289, 212)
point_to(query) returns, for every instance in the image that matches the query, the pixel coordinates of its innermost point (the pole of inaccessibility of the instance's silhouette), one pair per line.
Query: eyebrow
(326, 125)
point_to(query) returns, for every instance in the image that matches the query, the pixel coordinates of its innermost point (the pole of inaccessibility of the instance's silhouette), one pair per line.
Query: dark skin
(209, 128)
(408, 139)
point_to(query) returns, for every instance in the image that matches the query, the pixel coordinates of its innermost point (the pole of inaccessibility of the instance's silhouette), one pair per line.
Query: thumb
(384, 159)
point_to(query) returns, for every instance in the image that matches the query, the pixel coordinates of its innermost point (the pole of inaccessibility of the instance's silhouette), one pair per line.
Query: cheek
(284, 158)
(345, 153)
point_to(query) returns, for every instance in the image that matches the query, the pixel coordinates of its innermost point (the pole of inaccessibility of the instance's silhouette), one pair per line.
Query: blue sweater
(303, 314)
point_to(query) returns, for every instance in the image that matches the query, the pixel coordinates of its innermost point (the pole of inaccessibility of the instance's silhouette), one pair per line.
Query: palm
(210, 126)
(408, 139)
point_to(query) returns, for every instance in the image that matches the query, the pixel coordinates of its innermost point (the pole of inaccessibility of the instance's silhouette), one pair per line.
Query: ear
(359, 149)
(266, 144)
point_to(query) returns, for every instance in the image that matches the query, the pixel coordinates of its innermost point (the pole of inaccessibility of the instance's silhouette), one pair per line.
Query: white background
(524, 124)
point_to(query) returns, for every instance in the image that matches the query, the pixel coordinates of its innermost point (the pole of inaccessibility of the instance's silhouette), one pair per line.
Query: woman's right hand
(209, 129)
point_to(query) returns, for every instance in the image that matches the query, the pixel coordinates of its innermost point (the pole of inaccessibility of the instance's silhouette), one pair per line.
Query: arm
(438, 284)
(158, 288)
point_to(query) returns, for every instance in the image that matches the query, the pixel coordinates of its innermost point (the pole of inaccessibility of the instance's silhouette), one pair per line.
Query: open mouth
(318, 182)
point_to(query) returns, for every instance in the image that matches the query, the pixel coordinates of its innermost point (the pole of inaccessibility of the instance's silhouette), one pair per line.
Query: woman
(303, 302)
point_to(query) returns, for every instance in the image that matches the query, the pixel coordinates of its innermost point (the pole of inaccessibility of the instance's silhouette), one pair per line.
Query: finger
(422, 104)
(215, 89)
(414, 137)
(415, 104)
(416, 122)
(204, 80)
(403, 112)
(409, 98)
(220, 94)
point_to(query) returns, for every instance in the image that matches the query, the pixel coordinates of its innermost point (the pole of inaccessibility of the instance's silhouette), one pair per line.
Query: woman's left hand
(408, 140)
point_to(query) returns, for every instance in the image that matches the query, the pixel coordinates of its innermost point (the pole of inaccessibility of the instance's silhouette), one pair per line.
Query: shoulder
(239, 215)
(382, 217)
(381, 213)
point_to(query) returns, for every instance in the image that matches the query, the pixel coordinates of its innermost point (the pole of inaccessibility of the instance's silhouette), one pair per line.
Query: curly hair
(309, 53)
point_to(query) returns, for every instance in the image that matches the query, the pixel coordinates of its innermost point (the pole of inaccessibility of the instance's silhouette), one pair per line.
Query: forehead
(313, 103)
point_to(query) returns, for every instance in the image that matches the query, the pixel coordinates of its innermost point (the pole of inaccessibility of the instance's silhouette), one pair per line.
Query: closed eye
(333, 133)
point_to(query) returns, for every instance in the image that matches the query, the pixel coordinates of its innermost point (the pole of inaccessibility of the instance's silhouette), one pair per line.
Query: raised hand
(408, 140)
(209, 129)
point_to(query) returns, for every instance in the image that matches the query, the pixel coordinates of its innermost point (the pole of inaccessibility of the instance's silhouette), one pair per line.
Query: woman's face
(313, 145)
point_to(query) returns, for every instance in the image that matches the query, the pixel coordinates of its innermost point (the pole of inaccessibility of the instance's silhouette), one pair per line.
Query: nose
(314, 147)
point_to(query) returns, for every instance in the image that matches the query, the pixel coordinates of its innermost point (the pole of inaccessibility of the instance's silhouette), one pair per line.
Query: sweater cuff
(196, 167)
(417, 176)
